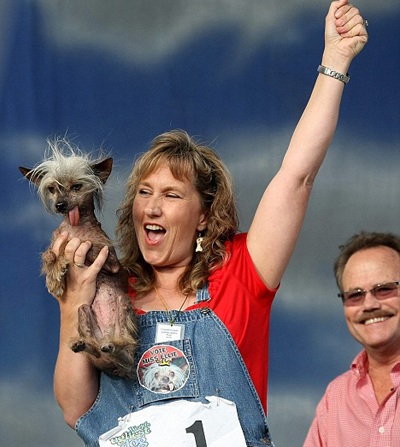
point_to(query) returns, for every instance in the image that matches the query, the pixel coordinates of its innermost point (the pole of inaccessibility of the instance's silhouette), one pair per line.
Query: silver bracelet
(333, 74)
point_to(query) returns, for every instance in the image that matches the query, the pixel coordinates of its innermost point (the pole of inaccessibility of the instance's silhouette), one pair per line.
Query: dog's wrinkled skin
(69, 183)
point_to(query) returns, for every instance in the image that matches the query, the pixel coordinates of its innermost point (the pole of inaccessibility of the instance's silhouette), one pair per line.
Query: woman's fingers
(99, 262)
(60, 240)
(349, 22)
(77, 251)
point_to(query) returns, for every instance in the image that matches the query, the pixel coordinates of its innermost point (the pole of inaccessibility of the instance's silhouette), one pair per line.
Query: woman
(202, 293)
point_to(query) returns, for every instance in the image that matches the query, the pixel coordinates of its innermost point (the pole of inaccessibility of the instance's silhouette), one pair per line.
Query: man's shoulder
(342, 382)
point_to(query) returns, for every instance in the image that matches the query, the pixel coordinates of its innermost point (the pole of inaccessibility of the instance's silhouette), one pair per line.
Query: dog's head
(68, 181)
(164, 378)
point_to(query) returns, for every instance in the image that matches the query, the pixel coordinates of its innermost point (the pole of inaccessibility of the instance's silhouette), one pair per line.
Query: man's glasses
(380, 291)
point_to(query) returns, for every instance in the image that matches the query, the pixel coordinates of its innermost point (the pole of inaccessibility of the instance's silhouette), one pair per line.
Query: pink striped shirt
(349, 415)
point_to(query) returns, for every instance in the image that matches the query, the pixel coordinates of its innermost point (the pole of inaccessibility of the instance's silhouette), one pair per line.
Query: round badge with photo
(163, 369)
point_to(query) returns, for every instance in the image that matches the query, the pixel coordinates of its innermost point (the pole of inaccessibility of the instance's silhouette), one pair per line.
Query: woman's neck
(167, 279)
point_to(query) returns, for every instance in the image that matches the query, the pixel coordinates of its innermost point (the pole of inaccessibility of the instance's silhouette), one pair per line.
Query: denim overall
(216, 369)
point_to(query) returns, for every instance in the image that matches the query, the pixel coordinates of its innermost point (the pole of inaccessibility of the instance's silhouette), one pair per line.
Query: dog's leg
(87, 328)
(123, 338)
(126, 323)
(123, 330)
(55, 268)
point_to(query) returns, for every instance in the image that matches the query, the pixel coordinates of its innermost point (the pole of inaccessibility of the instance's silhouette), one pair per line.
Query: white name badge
(180, 424)
(169, 332)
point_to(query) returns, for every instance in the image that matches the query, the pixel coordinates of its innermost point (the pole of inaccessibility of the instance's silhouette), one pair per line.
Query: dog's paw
(55, 269)
(55, 286)
(78, 346)
(109, 348)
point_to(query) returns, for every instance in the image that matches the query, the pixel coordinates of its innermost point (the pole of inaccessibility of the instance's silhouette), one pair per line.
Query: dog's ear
(27, 173)
(103, 169)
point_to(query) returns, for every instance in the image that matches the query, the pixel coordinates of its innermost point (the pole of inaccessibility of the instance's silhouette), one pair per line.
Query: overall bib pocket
(166, 371)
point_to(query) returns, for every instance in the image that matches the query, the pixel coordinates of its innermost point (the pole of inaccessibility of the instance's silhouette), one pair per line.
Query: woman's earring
(199, 240)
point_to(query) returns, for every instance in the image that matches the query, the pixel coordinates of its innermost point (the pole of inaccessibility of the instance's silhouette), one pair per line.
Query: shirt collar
(360, 364)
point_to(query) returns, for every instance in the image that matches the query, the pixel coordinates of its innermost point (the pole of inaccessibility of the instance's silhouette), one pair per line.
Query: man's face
(374, 323)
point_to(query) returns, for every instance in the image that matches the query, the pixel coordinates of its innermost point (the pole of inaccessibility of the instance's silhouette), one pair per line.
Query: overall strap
(203, 295)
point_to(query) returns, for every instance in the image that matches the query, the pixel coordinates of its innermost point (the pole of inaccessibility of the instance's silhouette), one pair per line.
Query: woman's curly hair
(200, 165)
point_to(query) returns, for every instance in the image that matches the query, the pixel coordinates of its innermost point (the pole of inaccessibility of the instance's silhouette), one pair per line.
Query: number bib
(179, 423)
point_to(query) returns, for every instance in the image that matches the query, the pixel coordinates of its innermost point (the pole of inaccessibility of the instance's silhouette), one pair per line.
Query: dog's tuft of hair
(70, 183)
(64, 163)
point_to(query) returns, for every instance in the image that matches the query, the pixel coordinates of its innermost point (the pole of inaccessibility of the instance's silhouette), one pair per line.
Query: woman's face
(167, 216)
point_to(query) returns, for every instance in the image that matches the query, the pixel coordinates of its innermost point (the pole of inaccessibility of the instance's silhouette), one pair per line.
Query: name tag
(180, 424)
(167, 332)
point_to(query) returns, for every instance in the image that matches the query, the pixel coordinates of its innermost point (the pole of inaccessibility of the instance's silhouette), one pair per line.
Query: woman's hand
(345, 31)
(75, 379)
(80, 287)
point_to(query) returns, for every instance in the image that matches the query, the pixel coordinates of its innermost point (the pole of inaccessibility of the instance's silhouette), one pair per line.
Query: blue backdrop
(238, 75)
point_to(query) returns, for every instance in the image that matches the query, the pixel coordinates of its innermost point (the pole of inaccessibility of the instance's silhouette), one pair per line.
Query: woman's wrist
(69, 312)
(345, 78)
(335, 61)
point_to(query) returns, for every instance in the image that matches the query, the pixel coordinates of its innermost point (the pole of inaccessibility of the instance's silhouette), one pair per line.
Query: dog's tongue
(74, 216)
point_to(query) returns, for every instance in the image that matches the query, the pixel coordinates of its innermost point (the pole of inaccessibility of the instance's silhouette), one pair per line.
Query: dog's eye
(76, 187)
(51, 189)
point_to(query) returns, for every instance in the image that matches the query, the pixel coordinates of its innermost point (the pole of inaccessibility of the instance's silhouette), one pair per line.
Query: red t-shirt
(241, 300)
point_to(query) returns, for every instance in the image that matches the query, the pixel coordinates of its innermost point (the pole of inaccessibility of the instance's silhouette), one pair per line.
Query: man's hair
(362, 241)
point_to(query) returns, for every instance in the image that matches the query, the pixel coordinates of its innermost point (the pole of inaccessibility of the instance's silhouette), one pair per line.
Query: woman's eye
(143, 192)
(171, 195)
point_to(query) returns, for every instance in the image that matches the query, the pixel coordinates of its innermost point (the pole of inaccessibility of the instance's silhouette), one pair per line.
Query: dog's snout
(61, 207)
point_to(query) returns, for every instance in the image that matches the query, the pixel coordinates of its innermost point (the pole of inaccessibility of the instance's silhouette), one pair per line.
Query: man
(362, 407)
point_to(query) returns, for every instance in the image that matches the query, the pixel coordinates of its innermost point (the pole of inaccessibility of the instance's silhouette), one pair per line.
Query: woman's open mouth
(154, 233)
